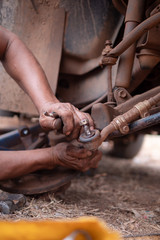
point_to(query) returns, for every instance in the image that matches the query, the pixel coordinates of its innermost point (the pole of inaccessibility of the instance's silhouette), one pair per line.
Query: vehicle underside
(102, 56)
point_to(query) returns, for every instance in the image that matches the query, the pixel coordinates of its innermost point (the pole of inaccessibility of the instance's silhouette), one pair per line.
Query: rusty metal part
(87, 135)
(24, 139)
(124, 107)
(109, 82)
(148, 58)
(21, 138)
(105, 59)
(102, 115)
(109, 61)
(90, 143)
(138, 74)
(40, 181)
(135, 34)
(129, 39)
(121, 95)
(121, 122)
(120, 5)
(135, 11)
(139, 125)
(93, 139)
(126, 60)
(134, 14)
(143, 108)
(148, 46)
(84, 123)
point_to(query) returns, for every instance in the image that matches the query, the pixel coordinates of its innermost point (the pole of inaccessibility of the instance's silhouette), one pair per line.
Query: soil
(123, 193)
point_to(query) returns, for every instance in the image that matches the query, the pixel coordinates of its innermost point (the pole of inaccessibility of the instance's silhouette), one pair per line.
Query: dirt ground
(124, 193)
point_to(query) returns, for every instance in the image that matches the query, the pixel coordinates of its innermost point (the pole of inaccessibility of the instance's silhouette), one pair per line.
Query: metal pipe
(134, 35)
(109, 81)
(126, 62)
(134, 14)
(139, 125)
(13, 138)
(100, 99)
(121, 122)
(138, 98)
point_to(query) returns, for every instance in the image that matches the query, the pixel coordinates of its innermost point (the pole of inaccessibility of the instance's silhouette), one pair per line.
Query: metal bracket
(121, 95)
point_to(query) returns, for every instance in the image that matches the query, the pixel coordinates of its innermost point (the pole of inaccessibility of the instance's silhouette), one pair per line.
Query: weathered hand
(67, 155)
(70, 115)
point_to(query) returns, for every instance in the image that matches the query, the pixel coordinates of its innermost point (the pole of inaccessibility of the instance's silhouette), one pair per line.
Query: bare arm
(22, 66)
(17, 163)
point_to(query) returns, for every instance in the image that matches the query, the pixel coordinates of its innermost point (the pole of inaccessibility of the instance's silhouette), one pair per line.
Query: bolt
(25, 131)
(125, 129)
(122, 94)
(84, 124)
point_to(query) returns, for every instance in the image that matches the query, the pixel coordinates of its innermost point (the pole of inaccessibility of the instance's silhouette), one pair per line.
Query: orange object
(57, 230)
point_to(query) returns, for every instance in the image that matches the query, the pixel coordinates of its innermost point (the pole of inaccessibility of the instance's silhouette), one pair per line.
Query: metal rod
(139, 125)
(11, 139)
(109, 81)
(135, 34)
(134, 13)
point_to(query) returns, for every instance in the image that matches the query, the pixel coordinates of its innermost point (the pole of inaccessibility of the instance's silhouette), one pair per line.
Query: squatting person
(22, 66)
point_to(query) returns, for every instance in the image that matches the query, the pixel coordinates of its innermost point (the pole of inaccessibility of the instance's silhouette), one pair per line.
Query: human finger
(90, 162)
(67, 117)
(78, 152)
(76, 129)
(48, 123)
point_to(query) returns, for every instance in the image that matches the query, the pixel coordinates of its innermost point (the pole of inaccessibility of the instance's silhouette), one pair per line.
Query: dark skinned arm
(17, 163)
(22, 66)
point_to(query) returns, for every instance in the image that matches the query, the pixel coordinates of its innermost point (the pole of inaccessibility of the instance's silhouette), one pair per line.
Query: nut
(122, 94)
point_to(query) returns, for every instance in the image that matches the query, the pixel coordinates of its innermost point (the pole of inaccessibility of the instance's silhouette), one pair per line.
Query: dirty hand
(70, 115)
(67, 155)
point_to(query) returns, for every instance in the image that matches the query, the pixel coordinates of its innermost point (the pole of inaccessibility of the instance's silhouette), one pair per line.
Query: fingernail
(89, 153)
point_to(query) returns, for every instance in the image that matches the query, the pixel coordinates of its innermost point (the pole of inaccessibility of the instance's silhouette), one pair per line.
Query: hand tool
(58, 125)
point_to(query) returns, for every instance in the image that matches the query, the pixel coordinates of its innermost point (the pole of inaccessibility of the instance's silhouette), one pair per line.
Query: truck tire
(127, 147)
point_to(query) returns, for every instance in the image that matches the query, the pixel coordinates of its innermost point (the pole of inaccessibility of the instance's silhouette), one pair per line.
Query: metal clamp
(143, 108)
(120, 124)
